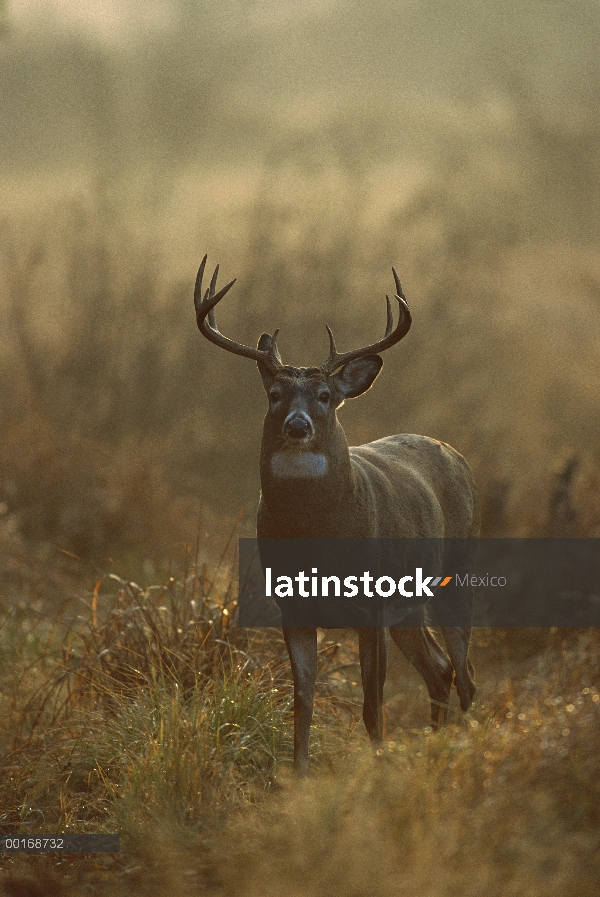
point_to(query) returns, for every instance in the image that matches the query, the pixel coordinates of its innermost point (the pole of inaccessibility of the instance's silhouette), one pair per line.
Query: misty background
(307, 149)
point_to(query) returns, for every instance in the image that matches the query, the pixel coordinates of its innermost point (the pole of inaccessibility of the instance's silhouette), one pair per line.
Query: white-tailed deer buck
(315, 486)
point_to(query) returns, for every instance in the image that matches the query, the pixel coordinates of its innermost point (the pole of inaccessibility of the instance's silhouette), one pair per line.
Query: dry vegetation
(150, 715)
(126, 439)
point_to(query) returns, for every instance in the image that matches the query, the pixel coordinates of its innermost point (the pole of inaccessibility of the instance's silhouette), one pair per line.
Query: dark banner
(339, 583)
(60, 843)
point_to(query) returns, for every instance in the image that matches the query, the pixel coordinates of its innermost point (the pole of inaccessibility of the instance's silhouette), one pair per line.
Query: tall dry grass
(153, 718)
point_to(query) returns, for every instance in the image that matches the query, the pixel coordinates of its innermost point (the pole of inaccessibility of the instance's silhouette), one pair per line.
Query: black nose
(297, 428)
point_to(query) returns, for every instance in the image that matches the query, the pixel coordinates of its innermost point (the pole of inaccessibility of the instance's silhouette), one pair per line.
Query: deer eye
(274, 395)
(324, 397)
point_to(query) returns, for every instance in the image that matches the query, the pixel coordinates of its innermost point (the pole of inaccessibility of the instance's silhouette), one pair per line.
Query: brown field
(129, 700)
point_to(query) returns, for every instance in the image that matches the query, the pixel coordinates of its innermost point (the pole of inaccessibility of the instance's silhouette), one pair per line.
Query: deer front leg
(302, 648)
(372, 651)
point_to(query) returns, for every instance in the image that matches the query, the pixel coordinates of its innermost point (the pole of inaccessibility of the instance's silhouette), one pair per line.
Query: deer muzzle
(297, 425)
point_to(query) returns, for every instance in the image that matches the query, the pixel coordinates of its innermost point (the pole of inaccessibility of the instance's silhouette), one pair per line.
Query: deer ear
(357, 376)
(264, 344)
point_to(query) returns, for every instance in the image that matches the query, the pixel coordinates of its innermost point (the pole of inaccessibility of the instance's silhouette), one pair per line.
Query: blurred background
(306, 148)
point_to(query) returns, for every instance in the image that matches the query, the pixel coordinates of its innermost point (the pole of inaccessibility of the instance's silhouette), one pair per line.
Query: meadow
(130, 701)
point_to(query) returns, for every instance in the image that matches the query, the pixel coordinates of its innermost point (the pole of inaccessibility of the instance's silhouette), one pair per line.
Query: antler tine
(398, 285)
(207, 322)
(390, 318)
(212, 318)
(199, 276)
(332, 350)
(390, 338)
(213, 281)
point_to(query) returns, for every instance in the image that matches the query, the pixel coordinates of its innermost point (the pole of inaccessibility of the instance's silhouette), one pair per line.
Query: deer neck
(305, 490)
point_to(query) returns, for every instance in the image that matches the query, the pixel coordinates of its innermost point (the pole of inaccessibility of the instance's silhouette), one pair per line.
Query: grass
(153, 670)
(184, 745)
(145, 705)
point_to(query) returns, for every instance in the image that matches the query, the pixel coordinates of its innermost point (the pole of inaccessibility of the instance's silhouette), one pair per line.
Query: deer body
(380, 491)
(313, 485)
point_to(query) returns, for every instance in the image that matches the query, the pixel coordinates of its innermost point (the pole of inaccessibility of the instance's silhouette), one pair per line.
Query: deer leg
(457, 637)
(422, 650)
(372, 651)
(302, 648)
(457, 642)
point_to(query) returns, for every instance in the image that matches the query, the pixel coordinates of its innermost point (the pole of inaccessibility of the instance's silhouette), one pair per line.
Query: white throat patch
(298, 465)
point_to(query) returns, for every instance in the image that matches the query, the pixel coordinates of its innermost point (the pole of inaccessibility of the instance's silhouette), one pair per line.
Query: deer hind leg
(457, 643)
(302, 648)
(422, 650)
(372, 651)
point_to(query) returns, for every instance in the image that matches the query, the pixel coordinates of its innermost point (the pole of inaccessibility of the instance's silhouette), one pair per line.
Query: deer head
(301, 425)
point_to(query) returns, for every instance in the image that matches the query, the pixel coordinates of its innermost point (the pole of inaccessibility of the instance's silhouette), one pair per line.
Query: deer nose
(297, 427)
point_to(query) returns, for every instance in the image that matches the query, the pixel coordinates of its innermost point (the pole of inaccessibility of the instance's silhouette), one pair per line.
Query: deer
(314, 485)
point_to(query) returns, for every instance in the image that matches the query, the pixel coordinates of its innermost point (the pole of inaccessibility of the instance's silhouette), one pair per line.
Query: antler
(207, 323)
(390, 338)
